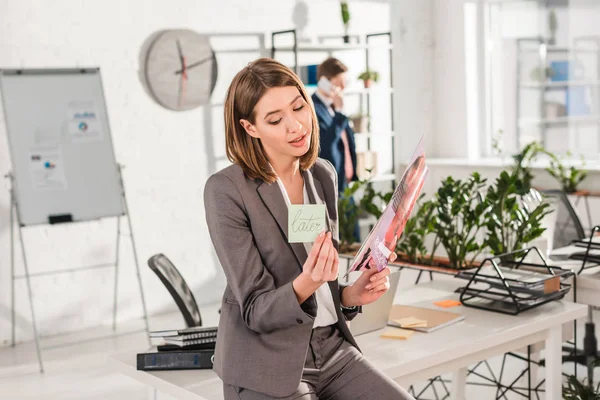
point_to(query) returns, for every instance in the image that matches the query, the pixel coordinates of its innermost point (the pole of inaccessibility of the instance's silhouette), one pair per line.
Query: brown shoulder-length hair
(246, 89)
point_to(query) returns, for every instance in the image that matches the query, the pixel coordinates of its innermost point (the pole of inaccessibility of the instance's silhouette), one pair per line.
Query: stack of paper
(397, 333)
(421, 319)
(410, 322)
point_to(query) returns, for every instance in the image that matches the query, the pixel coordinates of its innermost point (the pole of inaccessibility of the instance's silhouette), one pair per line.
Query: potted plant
(411, 245)
(369, 76)
(522, 169)
(541, 74)
(514, 217)
(360, 122)
(552, 27)
(575, 390)
(345, 19)
(568, 177)
(348, 214)
(367, 203)
(460, 215)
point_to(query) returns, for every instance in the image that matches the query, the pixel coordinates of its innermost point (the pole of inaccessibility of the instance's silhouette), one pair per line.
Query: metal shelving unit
(573, 54)
(365, 94)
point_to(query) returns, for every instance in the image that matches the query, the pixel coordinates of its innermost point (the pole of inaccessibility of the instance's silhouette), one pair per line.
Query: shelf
(368, 221)
(310, 89)
(383, 178)
(372, 90)
(335, 47)
(369, 135)
(561, 49)
(561, 120)
(558, 85)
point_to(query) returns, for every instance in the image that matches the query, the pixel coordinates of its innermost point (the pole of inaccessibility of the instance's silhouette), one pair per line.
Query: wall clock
(178, 69)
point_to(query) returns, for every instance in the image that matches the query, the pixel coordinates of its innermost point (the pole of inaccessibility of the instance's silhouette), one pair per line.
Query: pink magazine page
(381, 241)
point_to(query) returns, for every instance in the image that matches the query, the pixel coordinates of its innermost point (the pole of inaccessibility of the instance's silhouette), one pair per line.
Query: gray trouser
(334, 370)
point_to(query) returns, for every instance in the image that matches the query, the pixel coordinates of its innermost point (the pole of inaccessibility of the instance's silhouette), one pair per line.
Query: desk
(480, 336)
(588, 281)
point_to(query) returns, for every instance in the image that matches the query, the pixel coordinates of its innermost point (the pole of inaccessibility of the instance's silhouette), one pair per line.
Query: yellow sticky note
(305, 222)
(411, 322)
(397, 333)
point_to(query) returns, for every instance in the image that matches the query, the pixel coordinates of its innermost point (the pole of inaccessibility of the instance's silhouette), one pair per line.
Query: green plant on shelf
(460, 210)
(568, 177)
(345, 10)
(369, 76)
(552, 26)
(514, 216)
(540, 74)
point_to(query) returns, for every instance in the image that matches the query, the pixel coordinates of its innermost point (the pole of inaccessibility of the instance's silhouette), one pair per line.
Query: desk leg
(554, 363)
(459, 383)
(152, 393)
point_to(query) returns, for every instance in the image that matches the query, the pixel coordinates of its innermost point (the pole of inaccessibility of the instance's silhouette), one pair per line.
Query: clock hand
(182, 59)
(181, 91)
(193, 65)
(180, 52)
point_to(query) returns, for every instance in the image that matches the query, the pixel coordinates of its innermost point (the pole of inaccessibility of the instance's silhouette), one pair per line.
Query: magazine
(381, 241)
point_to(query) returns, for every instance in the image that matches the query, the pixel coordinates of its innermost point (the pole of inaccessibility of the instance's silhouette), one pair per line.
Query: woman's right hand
(322, 263)
(321, 266)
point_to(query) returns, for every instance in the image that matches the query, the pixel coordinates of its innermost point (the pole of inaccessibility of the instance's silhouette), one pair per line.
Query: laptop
(375, 316)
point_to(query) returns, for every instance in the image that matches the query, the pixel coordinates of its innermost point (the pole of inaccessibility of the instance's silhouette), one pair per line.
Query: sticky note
(552, 285)
(305, 222)
(411, 322)
(397, 333)
(447, 303)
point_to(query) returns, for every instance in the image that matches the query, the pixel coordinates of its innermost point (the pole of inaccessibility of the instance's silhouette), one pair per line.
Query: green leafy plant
(497, 143)
(348, 213)
(345, 15)
(575, 390)
(367, 202)
(460, 210)
(522, 169)
(552, 26)
(369, 75)
(541, 74)
(568, 177)
(514, 218)
(412, 240)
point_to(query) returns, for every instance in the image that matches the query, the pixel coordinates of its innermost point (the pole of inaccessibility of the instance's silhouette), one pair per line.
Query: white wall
(165, 153)
(449, 84)
(412, 33)
(429, 76)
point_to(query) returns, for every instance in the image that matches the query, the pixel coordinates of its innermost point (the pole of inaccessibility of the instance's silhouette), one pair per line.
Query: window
(534, 75)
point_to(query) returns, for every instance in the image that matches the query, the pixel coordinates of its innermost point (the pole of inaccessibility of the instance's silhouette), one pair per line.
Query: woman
(282, 330)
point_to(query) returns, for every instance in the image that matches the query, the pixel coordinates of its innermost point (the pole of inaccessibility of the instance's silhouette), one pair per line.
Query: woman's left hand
(369, 287)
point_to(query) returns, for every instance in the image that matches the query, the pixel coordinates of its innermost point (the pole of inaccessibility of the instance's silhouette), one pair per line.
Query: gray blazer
(263, 332)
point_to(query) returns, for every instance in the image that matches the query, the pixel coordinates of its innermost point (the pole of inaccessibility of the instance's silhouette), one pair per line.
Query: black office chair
(568, 226)
(175, 284)
(567, 229)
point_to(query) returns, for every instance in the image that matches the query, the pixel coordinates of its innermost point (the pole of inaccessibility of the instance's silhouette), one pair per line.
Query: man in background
(337, 137)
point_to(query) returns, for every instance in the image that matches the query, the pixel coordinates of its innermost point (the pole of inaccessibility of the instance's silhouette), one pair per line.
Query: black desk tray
(589, 258)
(510, 285)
